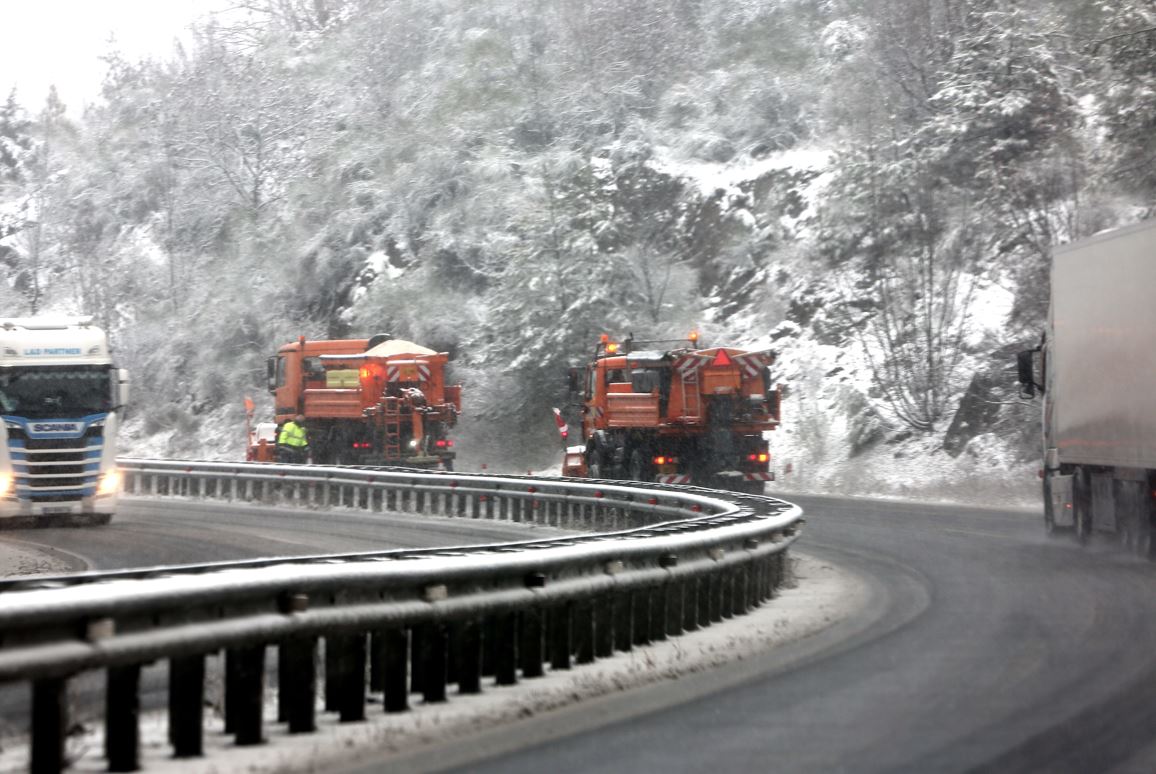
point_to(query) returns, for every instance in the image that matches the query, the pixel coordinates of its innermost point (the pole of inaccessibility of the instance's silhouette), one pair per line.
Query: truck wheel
(595, 464)
(638, 469)
(1049, 516)
(1082, 505)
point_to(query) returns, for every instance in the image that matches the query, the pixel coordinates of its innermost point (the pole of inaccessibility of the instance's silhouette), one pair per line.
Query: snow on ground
(21, 559)
(914, 469)
(710, 177)
(818, 596)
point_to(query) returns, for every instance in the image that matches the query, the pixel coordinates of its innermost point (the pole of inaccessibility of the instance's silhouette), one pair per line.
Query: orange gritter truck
(376, 401)
(670, 412)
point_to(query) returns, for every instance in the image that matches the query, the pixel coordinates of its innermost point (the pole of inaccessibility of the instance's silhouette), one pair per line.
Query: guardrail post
(674, 604)
(767, 587)
(723, 596)
(739, 592)
(658, 612)
(433, 679)
(583, 632)
(530, 642)
(708, 596)
(376, 662)
(350, 677)
(122, 718)
(690, 603)
(604, 626)
(395, 663)
(247, 688)
(417, 651)
(489, 645)
(560, 633)
(506, 649)
(730, 586)
(49, 723)
(186, 705)
(641, 616)
(469, 637)
(297, 683)
(332, 668)
(755, 583)
(623, 621)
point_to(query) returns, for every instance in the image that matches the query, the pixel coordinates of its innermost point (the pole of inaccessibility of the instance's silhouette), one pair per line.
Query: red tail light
(759, 457)
(662, 459)
(443, 444)
(362, 445)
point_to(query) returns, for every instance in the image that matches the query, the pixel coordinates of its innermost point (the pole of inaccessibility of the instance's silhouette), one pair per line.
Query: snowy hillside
(873, 190)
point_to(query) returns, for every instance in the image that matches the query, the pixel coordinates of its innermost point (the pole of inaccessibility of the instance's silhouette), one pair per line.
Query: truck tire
(639, 469)
(1049, 516)
(1082, 505)
(595, 464)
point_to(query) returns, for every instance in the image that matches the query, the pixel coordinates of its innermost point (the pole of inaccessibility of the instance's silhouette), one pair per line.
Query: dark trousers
(294, 455)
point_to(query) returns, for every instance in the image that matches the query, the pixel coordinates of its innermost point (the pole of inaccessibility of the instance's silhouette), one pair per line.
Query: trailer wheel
(639, 467)
(1049, 515)
(1082, 505)
(595, 463)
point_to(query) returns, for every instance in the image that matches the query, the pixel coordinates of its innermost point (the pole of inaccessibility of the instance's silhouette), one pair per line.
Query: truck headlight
(109, 483)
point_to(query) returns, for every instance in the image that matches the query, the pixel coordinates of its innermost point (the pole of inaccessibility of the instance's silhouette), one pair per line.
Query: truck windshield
(70, 391)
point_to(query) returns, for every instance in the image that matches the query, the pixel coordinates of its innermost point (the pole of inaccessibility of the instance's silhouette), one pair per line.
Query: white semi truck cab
(61, 400)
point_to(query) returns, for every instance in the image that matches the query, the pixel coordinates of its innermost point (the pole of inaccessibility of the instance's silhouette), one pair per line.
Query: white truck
(60, 402)
(1097, 372)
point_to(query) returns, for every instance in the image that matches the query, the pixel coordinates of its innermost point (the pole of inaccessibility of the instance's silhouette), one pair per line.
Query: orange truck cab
(368, 401)
(667, 411)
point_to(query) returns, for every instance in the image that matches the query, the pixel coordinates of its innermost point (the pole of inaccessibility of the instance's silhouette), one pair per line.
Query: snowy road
(985, 647)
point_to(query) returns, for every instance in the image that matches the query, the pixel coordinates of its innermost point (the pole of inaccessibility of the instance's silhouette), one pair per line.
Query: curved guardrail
(653, 561)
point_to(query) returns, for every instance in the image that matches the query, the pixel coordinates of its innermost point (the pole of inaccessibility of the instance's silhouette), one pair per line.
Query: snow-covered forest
(872, 188)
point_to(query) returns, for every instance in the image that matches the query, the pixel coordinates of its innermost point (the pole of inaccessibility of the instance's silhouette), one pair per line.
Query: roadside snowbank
(818, 596)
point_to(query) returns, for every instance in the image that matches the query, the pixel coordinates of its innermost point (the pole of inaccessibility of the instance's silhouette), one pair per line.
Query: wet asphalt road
(986, 647)
(147, 534)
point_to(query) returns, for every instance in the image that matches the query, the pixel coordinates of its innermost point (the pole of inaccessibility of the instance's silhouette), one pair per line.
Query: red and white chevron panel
(688, 366)
(393, 371)
(758, 476)
(752, 362)
(673, 478)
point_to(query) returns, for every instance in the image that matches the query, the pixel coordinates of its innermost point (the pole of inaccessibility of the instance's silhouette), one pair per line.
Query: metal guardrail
(654, 561)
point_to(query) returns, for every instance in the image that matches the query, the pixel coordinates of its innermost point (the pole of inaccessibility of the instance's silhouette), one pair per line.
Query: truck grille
(56, 469)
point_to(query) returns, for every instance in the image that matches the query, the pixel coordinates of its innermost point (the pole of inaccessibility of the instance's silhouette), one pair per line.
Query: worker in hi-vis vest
(293, 442)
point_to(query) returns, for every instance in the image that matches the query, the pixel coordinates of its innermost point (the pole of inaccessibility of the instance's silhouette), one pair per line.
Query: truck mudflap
(1063, 510)
(738, 475)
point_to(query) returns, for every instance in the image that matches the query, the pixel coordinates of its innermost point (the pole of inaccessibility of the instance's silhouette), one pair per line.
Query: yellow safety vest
(292, 434)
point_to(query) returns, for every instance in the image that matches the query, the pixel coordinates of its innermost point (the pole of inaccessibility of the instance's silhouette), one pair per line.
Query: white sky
(60, 42)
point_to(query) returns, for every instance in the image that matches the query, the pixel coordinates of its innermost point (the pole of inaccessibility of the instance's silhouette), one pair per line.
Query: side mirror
(271, 374)
(1025, 373)
(122, 382)
(575, 380)
(775, 403)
